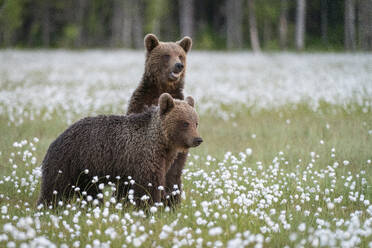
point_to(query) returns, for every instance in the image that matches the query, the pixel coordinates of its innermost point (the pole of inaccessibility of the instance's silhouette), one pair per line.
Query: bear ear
(166, 103)
(151, 41)
(190, 101)
(185, 43)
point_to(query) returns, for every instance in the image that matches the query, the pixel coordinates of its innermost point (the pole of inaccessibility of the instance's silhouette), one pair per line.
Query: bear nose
(197, 141)
(179, 67)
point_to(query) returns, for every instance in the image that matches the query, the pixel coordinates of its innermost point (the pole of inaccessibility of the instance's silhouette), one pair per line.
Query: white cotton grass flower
(95, 179)
(237, 242)
(111, 232)
(145, 198)
(214, 231)
(4, 210)
(153, 209)
(248, 151)
(293, 237)
(330, 205)
(163, 235)
(302, 227)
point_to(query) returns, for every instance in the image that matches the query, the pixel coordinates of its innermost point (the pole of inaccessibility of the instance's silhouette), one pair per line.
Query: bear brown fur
(139, 147)
(165, 70)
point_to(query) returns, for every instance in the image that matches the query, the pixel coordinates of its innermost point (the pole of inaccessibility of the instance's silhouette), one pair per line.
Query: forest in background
(334, 25)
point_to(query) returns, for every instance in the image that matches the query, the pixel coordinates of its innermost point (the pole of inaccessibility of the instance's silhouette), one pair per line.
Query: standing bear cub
(165, 70)
(133, 151)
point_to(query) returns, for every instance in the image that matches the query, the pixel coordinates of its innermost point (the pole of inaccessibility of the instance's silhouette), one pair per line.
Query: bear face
(179, 122)
(167, 60)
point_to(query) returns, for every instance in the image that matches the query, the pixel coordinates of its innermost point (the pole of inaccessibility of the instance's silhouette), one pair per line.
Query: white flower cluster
(231, 202)
(41, 84)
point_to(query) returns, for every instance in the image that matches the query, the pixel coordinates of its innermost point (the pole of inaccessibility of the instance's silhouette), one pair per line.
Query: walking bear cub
(134, 151)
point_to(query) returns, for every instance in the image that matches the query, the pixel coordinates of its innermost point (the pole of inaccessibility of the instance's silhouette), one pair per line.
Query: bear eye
(186, 124)
(180, 57)
(166, 56)
(197, 124)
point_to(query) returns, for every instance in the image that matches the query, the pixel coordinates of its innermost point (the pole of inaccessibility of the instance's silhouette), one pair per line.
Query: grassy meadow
(286, 159)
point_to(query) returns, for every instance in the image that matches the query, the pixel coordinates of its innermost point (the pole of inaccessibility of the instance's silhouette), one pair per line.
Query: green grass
(296, 132)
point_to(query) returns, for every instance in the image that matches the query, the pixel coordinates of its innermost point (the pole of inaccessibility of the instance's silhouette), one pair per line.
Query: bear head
(166, 60)
(179, 121)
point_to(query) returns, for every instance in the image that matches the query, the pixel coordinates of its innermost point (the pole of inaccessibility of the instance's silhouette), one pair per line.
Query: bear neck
(152, 85)
(149, 90)
(163, 144)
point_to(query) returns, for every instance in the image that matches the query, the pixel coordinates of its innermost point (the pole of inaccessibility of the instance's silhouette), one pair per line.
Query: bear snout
(197, 141)
(178, 67)
(176, 71)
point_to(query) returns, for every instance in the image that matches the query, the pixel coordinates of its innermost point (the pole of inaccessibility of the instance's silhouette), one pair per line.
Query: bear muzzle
(176, 72)
(178, 67)
(197, 141)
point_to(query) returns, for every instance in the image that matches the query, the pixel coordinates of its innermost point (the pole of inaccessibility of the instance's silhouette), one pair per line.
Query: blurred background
(319, 25)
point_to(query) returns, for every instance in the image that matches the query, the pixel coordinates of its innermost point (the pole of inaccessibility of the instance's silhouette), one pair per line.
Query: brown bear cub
(134, 152)
(165, 70)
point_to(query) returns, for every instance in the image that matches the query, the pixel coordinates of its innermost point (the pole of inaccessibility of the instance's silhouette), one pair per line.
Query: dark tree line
(213, 24)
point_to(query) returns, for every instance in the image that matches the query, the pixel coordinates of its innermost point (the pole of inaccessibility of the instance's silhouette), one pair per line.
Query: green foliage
(21, 23)
(316, 44)
(207, 39)
(70, 34)
(267, 10)
(10, 19)
(156, 10)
